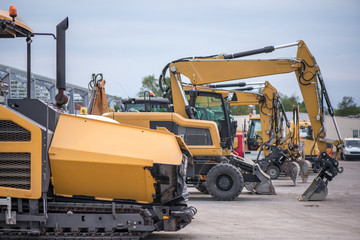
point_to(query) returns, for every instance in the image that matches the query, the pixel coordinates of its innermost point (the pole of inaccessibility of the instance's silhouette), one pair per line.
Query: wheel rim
(224, 182)
(272, 172)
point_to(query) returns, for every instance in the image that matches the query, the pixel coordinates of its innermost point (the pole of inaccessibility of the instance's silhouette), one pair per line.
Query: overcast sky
(128, 40)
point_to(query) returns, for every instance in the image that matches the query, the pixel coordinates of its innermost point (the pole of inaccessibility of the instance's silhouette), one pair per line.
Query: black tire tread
(236, 189)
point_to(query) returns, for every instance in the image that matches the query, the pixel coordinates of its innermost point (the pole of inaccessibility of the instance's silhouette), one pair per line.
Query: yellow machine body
(144, 119)
(20, 155)
(309, 142)
(102, 159)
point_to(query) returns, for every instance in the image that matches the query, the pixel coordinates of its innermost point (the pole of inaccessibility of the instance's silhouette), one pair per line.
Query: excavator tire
(224, 182)
(273, 171)
(202, 188)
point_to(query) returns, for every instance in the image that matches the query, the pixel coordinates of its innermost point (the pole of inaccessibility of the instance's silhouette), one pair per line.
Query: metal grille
(15, 170)
(195, 136)
(12, 132)
(354, 152)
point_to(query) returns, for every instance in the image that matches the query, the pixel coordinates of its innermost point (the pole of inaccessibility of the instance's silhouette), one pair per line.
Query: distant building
(349, 127)
(44, 88)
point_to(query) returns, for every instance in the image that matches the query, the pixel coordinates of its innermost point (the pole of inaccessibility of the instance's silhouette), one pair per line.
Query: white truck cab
(351, 149)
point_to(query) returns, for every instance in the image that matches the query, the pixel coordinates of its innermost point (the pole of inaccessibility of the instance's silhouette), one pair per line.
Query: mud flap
(265, 185)
(305, 166)
(292, 170)
(317, 191)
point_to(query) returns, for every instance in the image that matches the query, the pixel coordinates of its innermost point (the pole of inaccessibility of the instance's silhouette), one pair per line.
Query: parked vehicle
(351, 149)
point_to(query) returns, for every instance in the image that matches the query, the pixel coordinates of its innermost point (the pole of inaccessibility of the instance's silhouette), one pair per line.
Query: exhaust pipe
(61, 98)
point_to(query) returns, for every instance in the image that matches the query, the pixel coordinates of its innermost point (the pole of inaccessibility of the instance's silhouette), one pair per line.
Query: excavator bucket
(305, 167)
(317, 191)
(265, 185)
(329, 168)
(292, 170)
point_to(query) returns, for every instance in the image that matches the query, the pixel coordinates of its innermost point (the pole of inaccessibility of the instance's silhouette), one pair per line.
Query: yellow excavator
(224, 67)
(285, 156)
(71, 176)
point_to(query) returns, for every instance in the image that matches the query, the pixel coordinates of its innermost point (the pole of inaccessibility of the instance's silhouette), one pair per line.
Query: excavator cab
(254, 135)
(212, 106)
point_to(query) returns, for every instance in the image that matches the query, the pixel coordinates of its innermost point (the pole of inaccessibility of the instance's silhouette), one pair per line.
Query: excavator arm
(268, 101)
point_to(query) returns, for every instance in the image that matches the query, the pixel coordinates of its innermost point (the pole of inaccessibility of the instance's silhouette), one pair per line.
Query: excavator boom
(212, 70)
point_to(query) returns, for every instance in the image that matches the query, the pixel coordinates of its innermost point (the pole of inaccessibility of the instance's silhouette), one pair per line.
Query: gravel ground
(280, 216)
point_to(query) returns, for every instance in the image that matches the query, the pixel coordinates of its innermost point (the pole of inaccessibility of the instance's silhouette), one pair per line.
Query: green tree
(289, 102)
(302, 107)
(116, 108)
(239, 110)
(150, 84)
(347, 107)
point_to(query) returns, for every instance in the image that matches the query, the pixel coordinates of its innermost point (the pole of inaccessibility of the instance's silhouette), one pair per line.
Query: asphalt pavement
(280, 216)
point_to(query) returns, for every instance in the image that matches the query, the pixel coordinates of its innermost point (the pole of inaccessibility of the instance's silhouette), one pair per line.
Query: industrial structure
(44, 88)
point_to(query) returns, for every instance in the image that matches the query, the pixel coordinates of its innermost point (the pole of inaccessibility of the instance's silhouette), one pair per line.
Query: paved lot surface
(279, 216)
